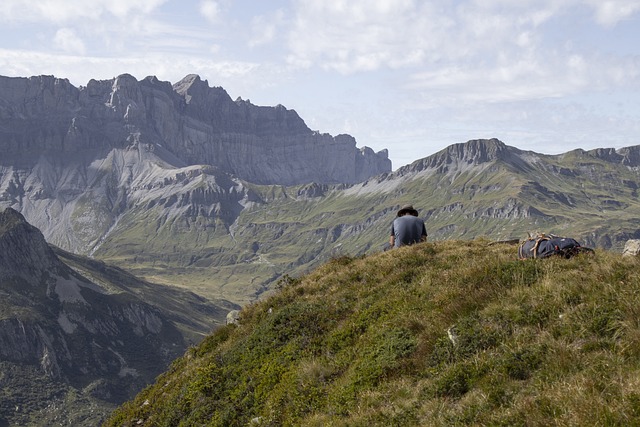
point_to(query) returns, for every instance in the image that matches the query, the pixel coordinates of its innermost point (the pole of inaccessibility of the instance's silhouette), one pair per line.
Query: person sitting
(407, 228)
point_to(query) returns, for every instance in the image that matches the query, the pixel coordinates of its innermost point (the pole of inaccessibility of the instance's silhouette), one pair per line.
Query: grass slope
(500, 192)
(445, 333)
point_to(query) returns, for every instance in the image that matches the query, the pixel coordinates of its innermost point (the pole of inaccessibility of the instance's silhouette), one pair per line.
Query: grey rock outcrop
(23, 251)
(191, 121)
(233, 317)
(74, 332)
(631, 248)
(66, 316)
(628, 156)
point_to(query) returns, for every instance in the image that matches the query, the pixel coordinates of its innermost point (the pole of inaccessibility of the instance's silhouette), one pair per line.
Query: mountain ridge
(116, 183)
(475, 152)
(198, 124)
(81, 328)
(133, 205)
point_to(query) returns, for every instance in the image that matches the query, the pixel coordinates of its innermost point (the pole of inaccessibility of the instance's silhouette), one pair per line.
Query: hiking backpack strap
(539, 239)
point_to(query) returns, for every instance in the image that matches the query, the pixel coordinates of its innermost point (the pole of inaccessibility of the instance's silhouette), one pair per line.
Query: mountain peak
(22, 246)
(478, 150)
(196, 123)
(190, 79)
(125, 80)
(9, 218)
(190, 84)
(473, 152)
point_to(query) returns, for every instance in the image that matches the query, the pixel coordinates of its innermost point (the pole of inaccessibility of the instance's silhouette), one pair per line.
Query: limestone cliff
(195, 123)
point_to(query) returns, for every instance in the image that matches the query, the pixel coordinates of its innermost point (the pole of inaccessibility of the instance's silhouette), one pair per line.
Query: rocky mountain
(591, 194)
(188, 123)
(222, 237)
(78, 337)
(171, 167)
(477, 188)
(182, 186)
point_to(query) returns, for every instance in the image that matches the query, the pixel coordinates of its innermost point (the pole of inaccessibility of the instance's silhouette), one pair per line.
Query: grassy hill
(445, 333)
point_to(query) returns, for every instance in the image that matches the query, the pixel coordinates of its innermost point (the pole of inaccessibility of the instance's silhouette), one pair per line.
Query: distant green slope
(481, 188)
(439, 334)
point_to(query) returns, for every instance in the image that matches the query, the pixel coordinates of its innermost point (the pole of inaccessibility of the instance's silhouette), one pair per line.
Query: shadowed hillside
(79, 337)
(439, 334)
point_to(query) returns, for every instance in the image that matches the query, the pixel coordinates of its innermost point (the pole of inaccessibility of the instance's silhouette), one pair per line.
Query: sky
(410, 76)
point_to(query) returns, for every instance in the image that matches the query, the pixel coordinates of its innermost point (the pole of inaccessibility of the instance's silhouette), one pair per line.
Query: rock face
(68, 331)
(193, 122)
(60, 307)
(80, 163)
(23, 251)
(631, 248)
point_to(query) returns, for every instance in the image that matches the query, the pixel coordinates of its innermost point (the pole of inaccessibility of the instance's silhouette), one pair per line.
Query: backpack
(543, 246)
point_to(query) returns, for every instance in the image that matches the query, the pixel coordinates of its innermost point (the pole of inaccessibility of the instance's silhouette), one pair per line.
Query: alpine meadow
(438, 334)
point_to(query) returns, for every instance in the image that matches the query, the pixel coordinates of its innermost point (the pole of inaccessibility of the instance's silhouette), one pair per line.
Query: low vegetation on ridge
(440, 334)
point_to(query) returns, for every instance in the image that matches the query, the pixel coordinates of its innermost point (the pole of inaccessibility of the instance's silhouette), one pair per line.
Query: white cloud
(607, 12)
(526, 78)
(165, 66)
(210, 9)
(122, 8)
(610, 12)
(265, 28)
(362, 35)
(474, 51)
(67, 40)
(59, 11)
